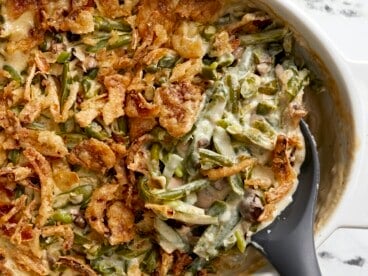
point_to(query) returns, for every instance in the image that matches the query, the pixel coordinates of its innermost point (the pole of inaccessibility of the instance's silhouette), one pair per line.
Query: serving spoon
(288, 242)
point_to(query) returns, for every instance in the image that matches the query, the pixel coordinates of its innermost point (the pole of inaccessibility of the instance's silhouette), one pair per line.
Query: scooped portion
(143, 137)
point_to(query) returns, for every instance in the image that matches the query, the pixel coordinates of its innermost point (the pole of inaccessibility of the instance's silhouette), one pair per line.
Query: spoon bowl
(288, 242)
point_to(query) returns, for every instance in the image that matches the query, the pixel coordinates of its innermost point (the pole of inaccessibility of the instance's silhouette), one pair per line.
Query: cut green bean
(209, 32)
(169, 194)
(240, 240)
(214, 157)
(14, 156)
(149, 262)
(263, 37)
(121, 41)
(106, 25)
(63, 57)
(94, 130)
(253, 135)
(168, 238)
(13, 73)
(64, 84)
(168, 61)
(210, 71)
(236, 184)
(62, 216)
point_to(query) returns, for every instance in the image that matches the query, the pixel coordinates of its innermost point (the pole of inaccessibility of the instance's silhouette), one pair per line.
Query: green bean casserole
(143, 137)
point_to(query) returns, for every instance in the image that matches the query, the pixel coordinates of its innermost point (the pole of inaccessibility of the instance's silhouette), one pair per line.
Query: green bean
(250, 86)
(265, 107)
(240, 240)
(95, 130)
(13, 73)
(234, 91)
(222, 143)
(36, 126)
(149, 262)
(167, 61)
(64, 84)
(209, 32)
(269, 88)
(155, 151)
(68, 126)
(169, 239)
(62, 216)
(72, 139)
(63, 57)
(121, 41)
(181, 211)
(152, 68)
(14, 156)
(248, 134)
(213, 237)
(265, 127)
(106, 25)
(172, 194)
(217, 208)
(179, 171)
(92, 73)
(225, 60)
(210, 71)
(97, 47)
(236, 184)
(214, 157)
(173, 161)
(263, 37)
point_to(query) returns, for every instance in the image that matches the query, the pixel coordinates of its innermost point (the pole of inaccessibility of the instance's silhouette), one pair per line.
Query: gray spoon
(288, 242)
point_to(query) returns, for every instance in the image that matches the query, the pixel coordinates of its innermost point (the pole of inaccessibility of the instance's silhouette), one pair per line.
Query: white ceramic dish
(339, 122)
(351, 100)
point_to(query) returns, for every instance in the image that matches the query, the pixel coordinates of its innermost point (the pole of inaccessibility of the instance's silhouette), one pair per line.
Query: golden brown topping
(283, 171)
(63, 231)
(139, 126)
(46, 142)
(44, 172)
(96, 209)
(166, 262)
(203, 11)
(93, 154)
(179, 107)
(139, 154)
(188, 42)
(79, 22)
(138, 106)
(215, 174)
(116, 96)
(77, 265)
(120, 220)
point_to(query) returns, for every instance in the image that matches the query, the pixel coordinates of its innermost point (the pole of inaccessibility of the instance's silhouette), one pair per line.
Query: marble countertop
(345, 252)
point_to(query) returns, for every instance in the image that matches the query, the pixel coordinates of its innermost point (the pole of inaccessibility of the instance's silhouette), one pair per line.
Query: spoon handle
(302, 261)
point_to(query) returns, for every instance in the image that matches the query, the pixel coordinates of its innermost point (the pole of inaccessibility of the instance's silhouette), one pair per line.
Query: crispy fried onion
(93, 154)
(138, 106)
(218, 173)
(46, 142)
(77, 265)
(138, 155)
(106, 201)
(113, 109)
(283, 171)
(139, 126)
(9, 210)
(24, 259)
(63, 231)
(44, 172)
(284, 175)
(179, 106)
(14, 174)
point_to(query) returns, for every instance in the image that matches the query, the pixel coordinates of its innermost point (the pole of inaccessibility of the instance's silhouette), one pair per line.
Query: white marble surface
(345, 252)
